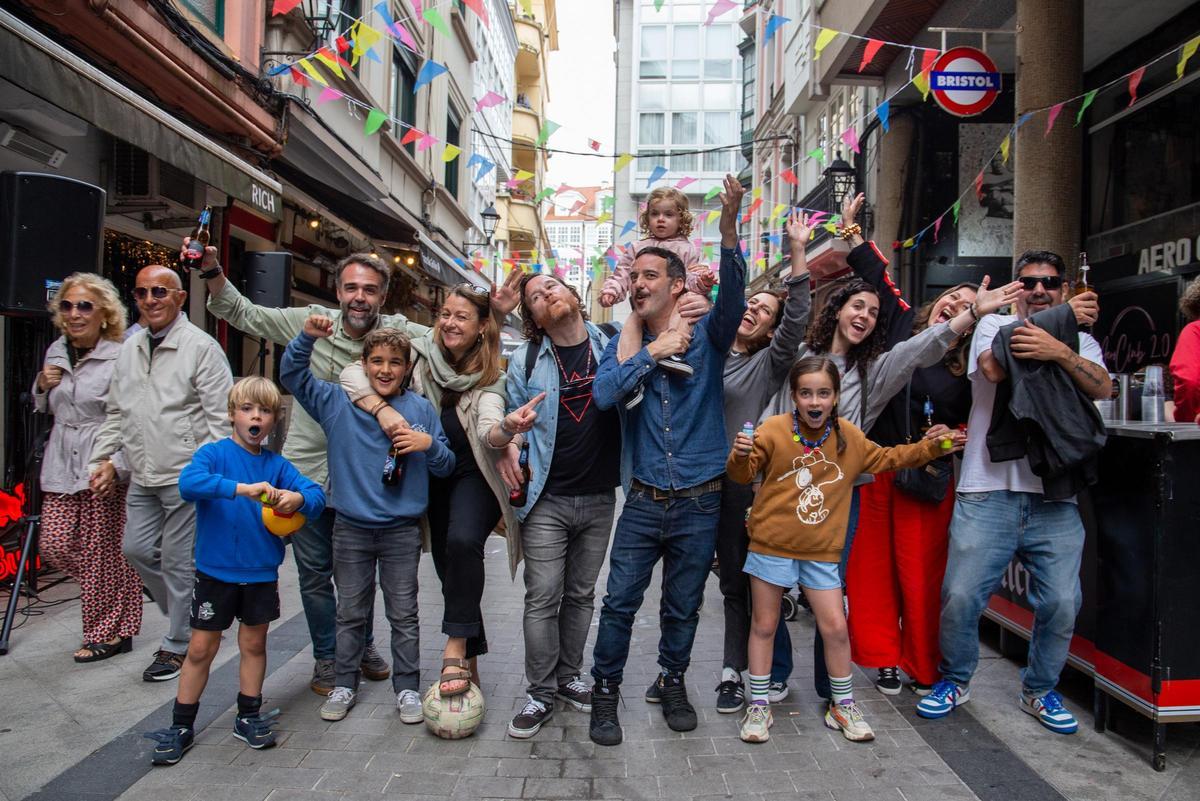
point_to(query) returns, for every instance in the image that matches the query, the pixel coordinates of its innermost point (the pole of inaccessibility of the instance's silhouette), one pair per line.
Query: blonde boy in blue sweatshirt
(237, 562)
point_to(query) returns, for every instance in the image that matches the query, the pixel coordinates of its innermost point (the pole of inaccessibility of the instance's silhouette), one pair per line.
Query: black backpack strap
(610, 329)
(531, 354)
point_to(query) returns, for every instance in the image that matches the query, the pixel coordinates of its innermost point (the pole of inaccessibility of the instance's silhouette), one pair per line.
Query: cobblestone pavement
(74, 731)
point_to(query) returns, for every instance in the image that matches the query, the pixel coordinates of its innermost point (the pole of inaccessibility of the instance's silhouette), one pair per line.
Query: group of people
(827, 464)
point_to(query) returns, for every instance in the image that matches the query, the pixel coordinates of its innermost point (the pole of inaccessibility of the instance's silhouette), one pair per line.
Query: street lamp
(841, 181)
(490, 217)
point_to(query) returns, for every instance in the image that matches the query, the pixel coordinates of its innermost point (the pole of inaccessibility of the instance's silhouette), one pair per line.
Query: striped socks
(760, 688)
(842, 689)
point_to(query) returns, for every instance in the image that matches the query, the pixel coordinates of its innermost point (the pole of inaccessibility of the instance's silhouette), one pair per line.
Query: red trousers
(894, 579)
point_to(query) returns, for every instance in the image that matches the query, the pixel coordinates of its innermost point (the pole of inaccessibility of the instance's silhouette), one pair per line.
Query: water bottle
(748, 429)
(1153, 395)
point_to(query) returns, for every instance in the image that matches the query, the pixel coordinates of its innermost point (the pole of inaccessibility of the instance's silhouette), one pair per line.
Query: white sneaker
(339, 702)
(756, 723)
(408, 704)
(849, 718)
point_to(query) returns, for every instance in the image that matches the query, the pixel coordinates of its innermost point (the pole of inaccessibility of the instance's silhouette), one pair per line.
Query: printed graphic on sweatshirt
(810, 505)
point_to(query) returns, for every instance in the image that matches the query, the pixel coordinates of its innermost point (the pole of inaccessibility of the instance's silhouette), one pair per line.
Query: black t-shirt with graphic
(587, 444)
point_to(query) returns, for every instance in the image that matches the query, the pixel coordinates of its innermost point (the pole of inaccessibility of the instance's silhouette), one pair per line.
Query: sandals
(104, 650)
(463, 674)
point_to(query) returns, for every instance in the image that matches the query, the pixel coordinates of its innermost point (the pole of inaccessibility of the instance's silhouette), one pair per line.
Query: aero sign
(964, 81)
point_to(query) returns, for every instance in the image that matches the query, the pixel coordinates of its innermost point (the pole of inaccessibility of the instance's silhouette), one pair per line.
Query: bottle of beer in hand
(393, 467)
(520, 496)
(194, 254)
(1082, 284)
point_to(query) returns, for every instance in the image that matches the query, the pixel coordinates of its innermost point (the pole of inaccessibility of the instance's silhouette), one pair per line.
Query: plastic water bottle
(748, 429)
(1153, 395)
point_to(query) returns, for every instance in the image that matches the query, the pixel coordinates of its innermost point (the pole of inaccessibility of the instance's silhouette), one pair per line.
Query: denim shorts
(784, 572)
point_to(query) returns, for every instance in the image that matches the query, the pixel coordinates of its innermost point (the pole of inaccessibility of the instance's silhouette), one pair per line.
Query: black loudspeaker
(50, 227)
(268, 279)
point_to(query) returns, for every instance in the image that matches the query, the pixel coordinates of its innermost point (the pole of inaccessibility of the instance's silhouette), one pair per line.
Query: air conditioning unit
(138, 177)
(23, 142)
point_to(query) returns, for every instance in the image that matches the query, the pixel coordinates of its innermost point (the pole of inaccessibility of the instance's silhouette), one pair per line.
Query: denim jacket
(676, 436)
(544, 378)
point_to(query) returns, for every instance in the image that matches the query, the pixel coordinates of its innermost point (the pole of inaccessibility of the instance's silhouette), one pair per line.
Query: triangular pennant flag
(775, 239)
(882, 111)
(365, 37)
(425, 142)
(937, 226)
(823, 39)
(684, 182)
(373, 56)
(450, 153)
(594, 145)
(327, 94)
(790, 177)
(312, 72)
(488, 100)
(775, 212)
(708, 252)
(754, 206)
(955, 209)
(298, 77)
(382, 9)
(979, 186)
(429, 71)
(576, 206)
(1005, 144)
(850, 137)
(375, 118)
(831, 227)
(774, 23)
(658, 4)
(869, 52)
(276, 70)
(331, 61)
(1185, 53)
(485, 165)
(756, 192)
(434, 18)
(927, 59)
(527, 7)
(710, 194)
(718, 8)
(341, 44)
(1055, 110)
(604, 217)
(1024, 118)
(622, 162)
(522, 176)
(548, 129)
(908, 243)
(1087, 101)
(410, 136)
(406, 38)
(626, 228)
(921, 81)
(480, 11)
(818, 154)
(1135, 78)
(283, 6)
(545, 193)
(713, 216)
(658, 172)
(475, 159)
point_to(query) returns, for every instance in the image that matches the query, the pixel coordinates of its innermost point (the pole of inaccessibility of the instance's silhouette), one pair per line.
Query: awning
(48, 70)
(440, 264)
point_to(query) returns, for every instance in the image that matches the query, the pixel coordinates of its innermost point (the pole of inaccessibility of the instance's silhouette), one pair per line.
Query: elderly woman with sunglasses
(81, 530)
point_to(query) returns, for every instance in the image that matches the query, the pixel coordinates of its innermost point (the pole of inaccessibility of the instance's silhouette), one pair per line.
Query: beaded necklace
(809, 445)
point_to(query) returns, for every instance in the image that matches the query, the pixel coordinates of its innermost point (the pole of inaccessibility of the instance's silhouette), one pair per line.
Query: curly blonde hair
(108, 303)
(1189, 302)
(681, 203)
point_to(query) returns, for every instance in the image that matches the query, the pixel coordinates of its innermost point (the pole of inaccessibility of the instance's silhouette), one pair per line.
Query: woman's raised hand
(989, 300)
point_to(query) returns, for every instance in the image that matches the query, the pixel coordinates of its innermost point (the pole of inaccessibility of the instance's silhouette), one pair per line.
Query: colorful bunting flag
(1055, 110)
(927, 59)
(1087, 101)
(434, 18)
(1135, 78)
(658, 4)
(450, 153)
(1185, 53)
(283, 6)
(545, 193)
(921, 81)
(604, 217)
(883, 111)
(908, 243)
(548, 129)
(312, 72)
(332, 61)
(979, 186)
(327, 94)
(823, 40)
(869, 53)
(480, 11)
(831, 227)
(955, 209)
(383, 10)
(488, 100)
(684, 182)
(429, 70)
(658, 172)
(774, 23)
(754, 206)
(710, 194)
(365, 37)
(298, 76)
(790, 177)
(522, 176)
(406, 38)
(1024, 118)
(1005, 144)
(817, 154)
(850, 137)
(425, 142)
(713, 216)
(594, 145)
(719, 8)
(622, 162)
(626, 228)
(937, 226)
(410, 136)
(375, 119)
(756, 193)
(527, 7)
(341, 44)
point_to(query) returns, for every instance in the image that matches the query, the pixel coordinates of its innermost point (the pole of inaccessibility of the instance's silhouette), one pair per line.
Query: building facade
(580, 243)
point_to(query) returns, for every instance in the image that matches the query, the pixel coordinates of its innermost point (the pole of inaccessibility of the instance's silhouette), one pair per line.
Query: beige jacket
(160, 410)
(477, 412)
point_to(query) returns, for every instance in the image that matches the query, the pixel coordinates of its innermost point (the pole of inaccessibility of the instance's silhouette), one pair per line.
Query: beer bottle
(1082, 284)
(393, 468)
(194, 254)
(520, 496)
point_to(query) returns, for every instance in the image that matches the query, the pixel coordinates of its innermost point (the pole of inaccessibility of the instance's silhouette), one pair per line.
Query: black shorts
(216, 603)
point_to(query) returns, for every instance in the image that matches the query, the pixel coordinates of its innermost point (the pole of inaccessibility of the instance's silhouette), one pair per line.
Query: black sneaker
(677, 709)
(731, 697)
(255, 731)
(577, 693)
(166, 666)
(530, 719)
(636, 397)
(888, 682)
(173, 743)
(604, 727)
(654, 693)
(676, 364)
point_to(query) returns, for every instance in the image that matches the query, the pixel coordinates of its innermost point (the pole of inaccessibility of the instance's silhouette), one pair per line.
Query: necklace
(808, 444)
(587, 368)
(575, 387)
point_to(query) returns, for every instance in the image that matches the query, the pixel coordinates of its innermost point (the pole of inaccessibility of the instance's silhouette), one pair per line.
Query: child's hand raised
(607, 298)
(288, 502)
(743, 444)
(704, 275)
(319, 326)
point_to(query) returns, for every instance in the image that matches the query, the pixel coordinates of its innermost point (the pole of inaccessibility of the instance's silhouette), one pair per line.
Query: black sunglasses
(1049, 282)
(84, 306)
(159, 292)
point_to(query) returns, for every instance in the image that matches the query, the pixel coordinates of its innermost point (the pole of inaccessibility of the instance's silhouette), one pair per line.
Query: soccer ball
(455, 716)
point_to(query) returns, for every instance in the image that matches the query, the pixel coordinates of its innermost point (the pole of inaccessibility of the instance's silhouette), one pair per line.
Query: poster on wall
(986, 223)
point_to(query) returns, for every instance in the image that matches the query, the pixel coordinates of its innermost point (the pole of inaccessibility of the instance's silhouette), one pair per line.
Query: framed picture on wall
(985, 222)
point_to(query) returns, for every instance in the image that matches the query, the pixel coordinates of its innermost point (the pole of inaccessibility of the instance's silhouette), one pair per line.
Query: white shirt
(979, 473)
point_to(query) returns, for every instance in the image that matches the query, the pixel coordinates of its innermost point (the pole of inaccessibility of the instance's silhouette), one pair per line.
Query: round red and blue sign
(964, 81)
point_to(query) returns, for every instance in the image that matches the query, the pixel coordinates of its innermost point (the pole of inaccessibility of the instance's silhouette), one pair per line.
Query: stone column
(1049, 185)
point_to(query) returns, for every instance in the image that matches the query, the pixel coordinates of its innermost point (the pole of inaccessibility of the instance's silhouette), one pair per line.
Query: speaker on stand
(268, 279)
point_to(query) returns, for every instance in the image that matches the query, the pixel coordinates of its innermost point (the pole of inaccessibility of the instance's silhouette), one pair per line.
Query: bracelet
(974, 313)
(378, 407)
(208, 275)
(850, 231)
(504, 429)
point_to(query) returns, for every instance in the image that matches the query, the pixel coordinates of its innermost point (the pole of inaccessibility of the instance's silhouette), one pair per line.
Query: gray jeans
(160, 539)
(395, 553)
(564, 540)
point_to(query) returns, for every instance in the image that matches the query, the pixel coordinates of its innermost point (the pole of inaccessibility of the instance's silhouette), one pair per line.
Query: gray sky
(582, 91)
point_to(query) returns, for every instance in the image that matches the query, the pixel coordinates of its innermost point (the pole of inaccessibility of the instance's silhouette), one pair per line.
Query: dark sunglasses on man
(157, 292)
(84, 306)
(1049, 282)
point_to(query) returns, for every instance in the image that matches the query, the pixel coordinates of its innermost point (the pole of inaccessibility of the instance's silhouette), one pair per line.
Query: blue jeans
(683, 533)
(987, 530)
(820, 672)
(312, 548)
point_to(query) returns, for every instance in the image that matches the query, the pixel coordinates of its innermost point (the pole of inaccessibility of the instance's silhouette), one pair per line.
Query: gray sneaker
(323, 677)
(340, 701)
(408, 704)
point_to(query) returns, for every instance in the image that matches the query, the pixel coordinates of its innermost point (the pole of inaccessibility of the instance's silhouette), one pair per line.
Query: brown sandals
(463, 674)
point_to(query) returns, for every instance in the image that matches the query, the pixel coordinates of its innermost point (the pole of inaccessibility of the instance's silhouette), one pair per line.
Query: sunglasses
(158, 292)
(1049, 282)
(84, 306)
(474, 289)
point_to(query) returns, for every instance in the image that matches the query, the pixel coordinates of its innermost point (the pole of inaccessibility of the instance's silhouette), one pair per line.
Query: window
(651, 129)
(211, 12)
(654, 52)
(748, 89)
(342, 14)
(453, 126)
(404, 100)
(718, 130)
(685, 51)
(719, 48)
(683, 132)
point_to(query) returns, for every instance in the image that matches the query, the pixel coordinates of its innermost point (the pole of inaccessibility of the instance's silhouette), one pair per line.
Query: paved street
(74, 731)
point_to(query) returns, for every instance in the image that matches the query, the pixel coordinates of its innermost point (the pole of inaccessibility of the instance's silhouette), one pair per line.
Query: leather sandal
(463, 675)
(103, 650)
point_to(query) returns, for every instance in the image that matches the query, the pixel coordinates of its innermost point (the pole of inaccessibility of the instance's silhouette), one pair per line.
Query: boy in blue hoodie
(380, 490)
(237, 562)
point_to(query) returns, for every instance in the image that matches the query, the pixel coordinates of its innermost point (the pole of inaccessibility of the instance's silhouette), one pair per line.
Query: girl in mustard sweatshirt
(808, 461)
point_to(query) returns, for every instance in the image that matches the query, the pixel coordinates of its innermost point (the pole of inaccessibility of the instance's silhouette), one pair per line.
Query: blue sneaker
(941, 701)
(256, 731)
(173, 743)
(1050, 712)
